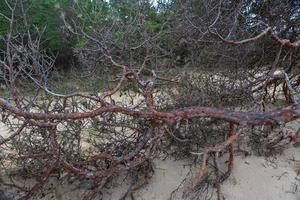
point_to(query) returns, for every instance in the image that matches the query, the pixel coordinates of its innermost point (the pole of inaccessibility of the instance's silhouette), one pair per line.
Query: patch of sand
(258, 178)
(167, 177)
(4, 132)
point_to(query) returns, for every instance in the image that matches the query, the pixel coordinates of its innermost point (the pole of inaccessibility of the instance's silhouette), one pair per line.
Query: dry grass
(297, 168)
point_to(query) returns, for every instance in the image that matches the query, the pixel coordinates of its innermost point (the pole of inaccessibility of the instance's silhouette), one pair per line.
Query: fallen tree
(48, 129)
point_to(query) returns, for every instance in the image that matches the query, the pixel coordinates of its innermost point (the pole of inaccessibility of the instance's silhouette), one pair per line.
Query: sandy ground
(258, 178)
(3, 130)
(253, 178)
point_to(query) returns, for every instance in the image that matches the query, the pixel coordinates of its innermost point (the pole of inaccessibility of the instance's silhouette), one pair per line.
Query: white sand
(168, 176)
(257, 178)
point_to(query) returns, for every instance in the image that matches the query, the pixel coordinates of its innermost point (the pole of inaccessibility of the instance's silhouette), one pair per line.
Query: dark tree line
(179, 28)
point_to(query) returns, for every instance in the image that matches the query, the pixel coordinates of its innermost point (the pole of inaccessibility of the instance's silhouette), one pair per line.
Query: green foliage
(153, 26)
(130, 23)
(4, 24)
(81, 43)
(43, 14)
